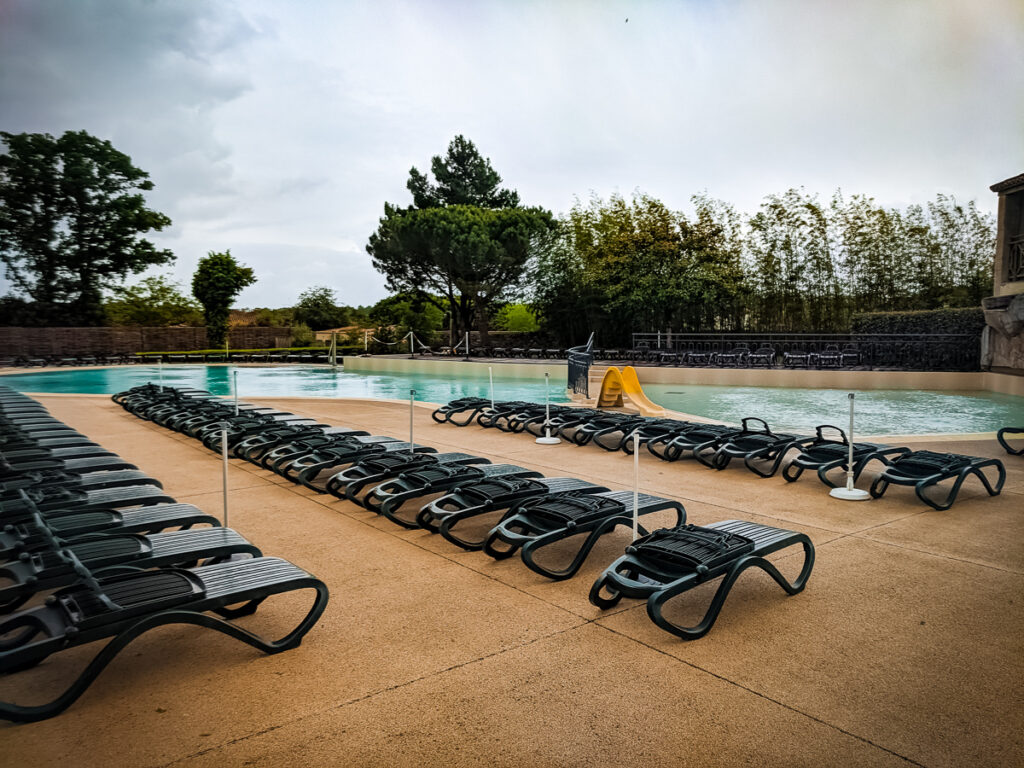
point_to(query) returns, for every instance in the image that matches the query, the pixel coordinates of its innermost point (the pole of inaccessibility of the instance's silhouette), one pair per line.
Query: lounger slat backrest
(223, 579)
(578, 510)
(930, 462)
(692, 548)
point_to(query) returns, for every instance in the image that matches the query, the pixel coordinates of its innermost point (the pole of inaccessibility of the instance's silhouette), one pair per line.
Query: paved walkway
(905, 649)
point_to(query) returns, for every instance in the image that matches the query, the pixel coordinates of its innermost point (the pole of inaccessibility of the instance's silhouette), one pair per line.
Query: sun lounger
(456, 411)
(122, 607)
(51, 499)
(50, 567)
(309, 470)
(27, 528)
(762, 357)
(761, 449)
(583, 433)
(825, 453)
(389, 497)
(59, 478)
(669, 562)
(734, 358)
(1001, 437)
(349, 483)
(535, 524)
(283, 453)
(652, 429)
(449, 514)
(924, 469)
(672, 446)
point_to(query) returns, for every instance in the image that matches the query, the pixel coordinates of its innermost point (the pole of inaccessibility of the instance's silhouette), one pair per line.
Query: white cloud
(279, 129)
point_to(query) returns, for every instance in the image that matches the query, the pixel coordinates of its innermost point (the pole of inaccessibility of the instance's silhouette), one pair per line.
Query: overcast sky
(278, 129)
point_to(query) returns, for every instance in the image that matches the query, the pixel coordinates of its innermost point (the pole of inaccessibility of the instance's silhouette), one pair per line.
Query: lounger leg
(656, 602)
(20, 714)
(581, 555)
(792, 471)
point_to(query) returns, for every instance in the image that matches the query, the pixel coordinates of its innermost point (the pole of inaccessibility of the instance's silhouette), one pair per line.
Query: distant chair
(830, 357)
(734, 358)
(798, 358)
(762, 357)
(849, 357)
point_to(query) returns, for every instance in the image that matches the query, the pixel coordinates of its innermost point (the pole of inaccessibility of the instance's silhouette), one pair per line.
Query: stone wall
(1002, 341)
(129, 340)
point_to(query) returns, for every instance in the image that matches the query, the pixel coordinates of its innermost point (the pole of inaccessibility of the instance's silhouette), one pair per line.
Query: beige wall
(932, 380)
(446, 367)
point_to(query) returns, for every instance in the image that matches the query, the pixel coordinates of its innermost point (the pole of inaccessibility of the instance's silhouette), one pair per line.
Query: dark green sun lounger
(449, 514)
(123, 607)
(670, 561)
(389, 497)
(925, 469)
(538, 523)
(51, 567)
(830, 449)
(1001, 437)
(349, 483)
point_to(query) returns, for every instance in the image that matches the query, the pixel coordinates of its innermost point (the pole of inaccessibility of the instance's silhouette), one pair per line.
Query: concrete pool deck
(906, 648)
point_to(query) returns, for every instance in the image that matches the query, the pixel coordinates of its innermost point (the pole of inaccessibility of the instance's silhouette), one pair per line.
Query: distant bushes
(961, 320)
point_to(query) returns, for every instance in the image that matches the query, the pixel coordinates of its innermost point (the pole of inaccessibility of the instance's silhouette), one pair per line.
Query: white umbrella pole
(849, 493)
(224, 454)
(412, 400)
(547, 439)
(636, 485)
(160, 369)
(235, 387)
(490, 375)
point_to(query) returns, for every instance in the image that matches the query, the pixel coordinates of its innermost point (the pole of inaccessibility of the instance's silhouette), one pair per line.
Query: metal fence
(580, 360)
(915, 352)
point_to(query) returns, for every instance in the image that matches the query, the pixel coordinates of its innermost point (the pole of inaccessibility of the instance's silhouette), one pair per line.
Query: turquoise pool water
(878, 411)
(283, 381)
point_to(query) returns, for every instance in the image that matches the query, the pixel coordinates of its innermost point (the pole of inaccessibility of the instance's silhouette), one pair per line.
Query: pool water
(798, 410)
(283, 381)
(878, 411)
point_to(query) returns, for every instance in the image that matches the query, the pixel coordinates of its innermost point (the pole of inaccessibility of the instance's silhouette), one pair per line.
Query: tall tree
(154, 301)
(317, 309)
(72, 214)
(217, 281)
(465, 242)
(470, 256)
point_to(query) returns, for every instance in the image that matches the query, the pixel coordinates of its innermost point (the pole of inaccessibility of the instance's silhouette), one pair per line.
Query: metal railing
(580, 360)
(920, 352)
(1015, 259)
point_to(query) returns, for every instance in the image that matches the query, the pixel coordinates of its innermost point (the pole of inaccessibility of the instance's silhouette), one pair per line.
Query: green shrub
(969, 320)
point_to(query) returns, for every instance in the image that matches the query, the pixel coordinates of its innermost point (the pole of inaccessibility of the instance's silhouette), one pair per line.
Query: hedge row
(968, 320)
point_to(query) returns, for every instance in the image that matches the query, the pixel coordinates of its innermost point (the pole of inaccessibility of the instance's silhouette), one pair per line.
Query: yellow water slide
(619, 386)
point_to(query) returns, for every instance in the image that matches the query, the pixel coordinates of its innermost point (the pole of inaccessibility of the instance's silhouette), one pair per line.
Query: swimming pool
(283, 381)
(878, 411)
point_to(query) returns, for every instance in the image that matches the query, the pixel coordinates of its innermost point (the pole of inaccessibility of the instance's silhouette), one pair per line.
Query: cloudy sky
(278, 129)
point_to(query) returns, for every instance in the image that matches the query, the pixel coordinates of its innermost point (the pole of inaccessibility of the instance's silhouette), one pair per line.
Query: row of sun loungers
(497, 509)
(93, 549)
(761, 450)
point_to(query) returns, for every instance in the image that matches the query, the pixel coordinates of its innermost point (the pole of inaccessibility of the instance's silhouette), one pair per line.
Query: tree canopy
(462, 177)
(317, 309)
(72, 214)
(470, 255)
(154, 301)
(218, 279)
(465, 239)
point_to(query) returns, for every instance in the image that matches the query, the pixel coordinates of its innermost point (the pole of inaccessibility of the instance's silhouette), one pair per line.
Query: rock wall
(1002, 342)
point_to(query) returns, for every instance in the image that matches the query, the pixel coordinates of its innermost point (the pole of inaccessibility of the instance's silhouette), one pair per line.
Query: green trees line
(468, 254)
(796, 264)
